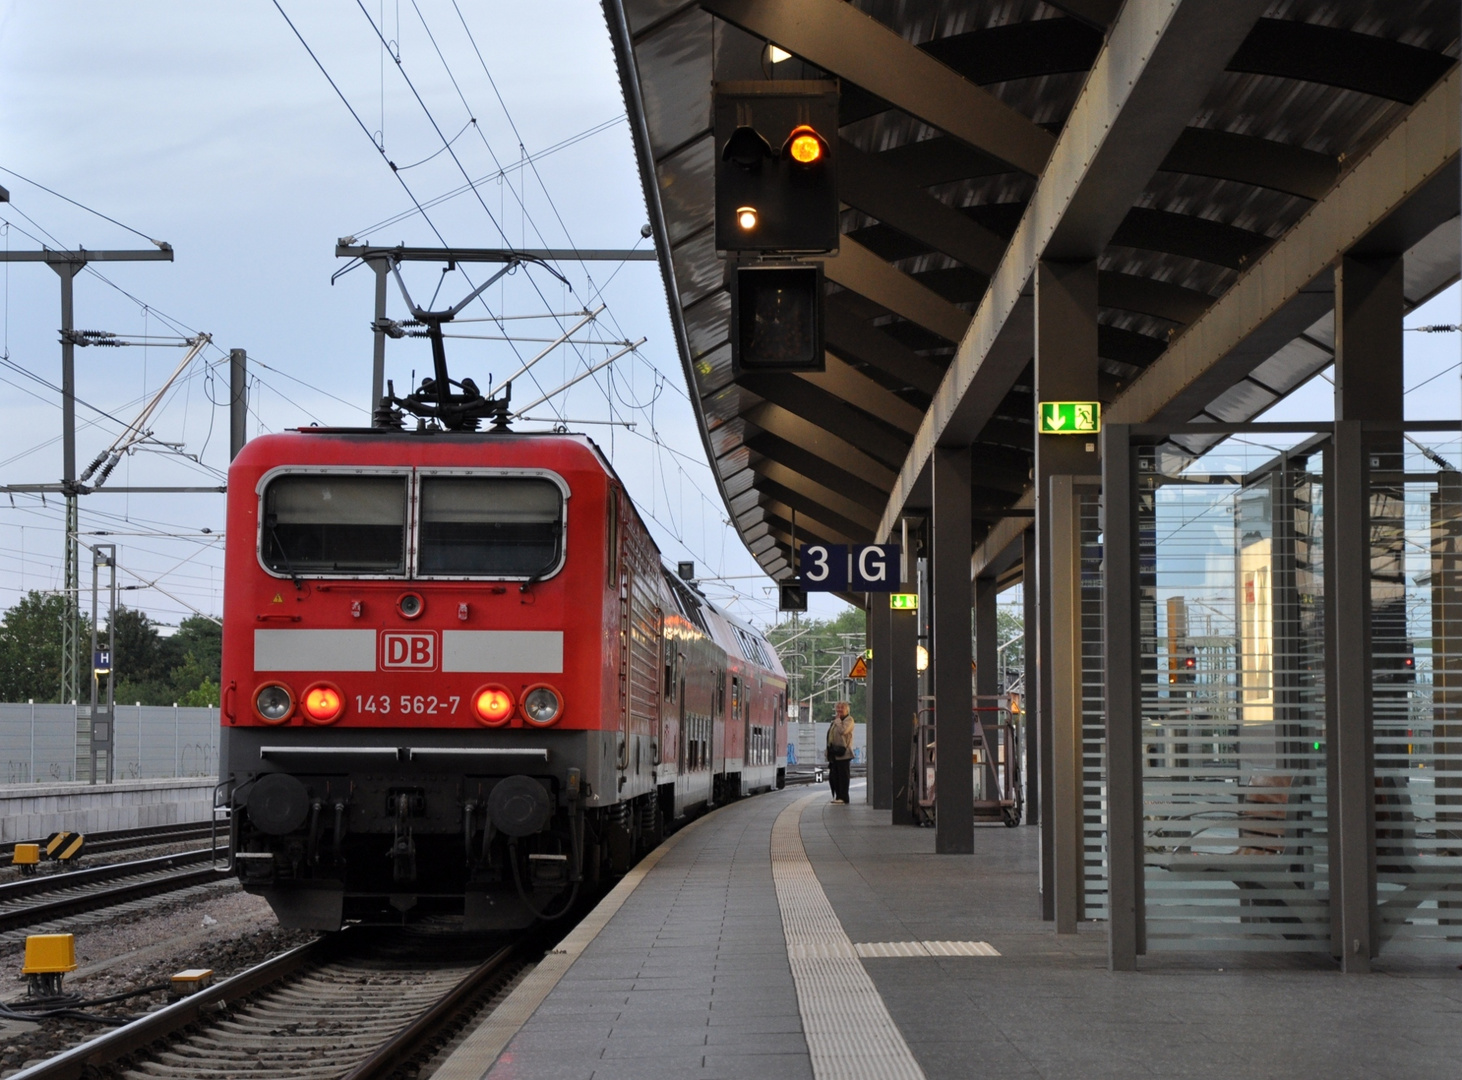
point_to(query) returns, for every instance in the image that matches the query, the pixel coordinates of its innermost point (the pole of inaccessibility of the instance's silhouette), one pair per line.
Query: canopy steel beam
(820, 442)
(854, 339)
(848, 529)
(840, 39)
(855, 267)
(847, 382)
(828, 474)
(828, 412)
(881, 191)
(1160, 59)
(1148, 296)
(1404, 180)
(832, 501)
(1224, 155)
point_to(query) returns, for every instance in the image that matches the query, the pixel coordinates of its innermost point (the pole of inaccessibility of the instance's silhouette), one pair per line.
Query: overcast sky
(209, 126)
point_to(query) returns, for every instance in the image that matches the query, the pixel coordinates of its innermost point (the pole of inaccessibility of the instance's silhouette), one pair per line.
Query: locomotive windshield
(502, 526)
(335, 524)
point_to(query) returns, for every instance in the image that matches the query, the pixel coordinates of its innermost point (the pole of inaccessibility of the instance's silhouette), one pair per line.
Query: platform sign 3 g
(850, 568)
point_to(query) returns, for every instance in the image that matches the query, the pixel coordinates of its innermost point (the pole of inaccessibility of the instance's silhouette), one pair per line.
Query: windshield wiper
(284, 557)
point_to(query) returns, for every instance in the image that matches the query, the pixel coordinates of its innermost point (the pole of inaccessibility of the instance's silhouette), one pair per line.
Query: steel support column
(238, 401)
(71, 625)
(880, 703)
(1061, 601)
(1122, 649)
(1034, 770)
(378, 345)
(1369, 304)
(903, 692)
(1353, 807)
(951, 546)
(1066, 370)
(987, 677)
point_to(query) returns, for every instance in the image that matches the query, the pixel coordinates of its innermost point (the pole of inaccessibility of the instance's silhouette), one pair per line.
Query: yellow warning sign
(278, 599)
(860, 669)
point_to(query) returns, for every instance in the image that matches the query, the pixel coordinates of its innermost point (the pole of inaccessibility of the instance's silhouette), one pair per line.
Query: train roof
(734, 635)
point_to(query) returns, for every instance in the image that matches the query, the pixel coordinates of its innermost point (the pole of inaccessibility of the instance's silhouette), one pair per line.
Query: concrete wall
(34, 811)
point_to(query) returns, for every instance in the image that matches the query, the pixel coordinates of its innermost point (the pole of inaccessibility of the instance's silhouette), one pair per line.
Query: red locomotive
(458, 678)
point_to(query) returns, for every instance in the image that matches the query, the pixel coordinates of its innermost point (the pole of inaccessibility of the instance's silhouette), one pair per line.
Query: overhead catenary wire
(610, 388)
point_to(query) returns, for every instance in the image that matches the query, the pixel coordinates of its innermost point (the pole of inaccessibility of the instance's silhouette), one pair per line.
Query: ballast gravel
(225, 929)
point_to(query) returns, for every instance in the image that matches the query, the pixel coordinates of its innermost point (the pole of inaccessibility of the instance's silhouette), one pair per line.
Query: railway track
(35, 901)
(130, 839)
(357, 1005)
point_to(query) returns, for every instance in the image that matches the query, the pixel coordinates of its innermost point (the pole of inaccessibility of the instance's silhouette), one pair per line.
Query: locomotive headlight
(541, 705)
(493, 705)
(323, 703)
(274, 703)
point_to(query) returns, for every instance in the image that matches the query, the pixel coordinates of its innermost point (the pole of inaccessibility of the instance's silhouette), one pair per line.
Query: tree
(30, 648)
(137, 649)
(811, 651)
(183, 668)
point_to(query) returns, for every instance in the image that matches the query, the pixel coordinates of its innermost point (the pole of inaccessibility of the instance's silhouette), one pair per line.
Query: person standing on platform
(840, 751)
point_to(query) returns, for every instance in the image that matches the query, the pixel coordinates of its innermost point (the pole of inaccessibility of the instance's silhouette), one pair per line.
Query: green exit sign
(1070, 417)
(903, 601)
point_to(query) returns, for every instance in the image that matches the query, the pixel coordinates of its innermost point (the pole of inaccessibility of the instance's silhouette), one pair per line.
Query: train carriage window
(333, 524)
(502, 526)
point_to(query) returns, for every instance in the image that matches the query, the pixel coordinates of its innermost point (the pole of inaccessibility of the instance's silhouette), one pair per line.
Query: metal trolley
(996, 757)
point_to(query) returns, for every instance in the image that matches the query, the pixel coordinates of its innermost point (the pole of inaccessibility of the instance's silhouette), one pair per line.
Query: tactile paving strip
(925, 948)
(849, 1032)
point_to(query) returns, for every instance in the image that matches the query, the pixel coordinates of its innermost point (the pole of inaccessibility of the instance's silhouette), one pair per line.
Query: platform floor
(695, 976)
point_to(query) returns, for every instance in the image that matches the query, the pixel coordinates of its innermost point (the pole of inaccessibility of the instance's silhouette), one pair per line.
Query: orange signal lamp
(805, 145)
(323, 704)
(746, 217)
(493, 705)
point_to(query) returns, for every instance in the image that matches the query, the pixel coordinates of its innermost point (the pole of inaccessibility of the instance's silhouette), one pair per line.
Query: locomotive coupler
(403, 846)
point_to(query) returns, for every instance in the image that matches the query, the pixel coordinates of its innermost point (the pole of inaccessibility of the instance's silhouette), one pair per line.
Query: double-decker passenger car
(458, 678)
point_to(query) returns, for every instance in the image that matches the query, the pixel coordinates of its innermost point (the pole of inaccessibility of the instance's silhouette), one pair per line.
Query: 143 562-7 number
(408, 704)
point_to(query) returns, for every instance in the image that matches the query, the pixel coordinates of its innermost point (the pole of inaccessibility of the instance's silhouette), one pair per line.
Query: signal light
(776, 319)
(776, 155)
(746, 217)
(747, 148)
(493, 705)
(323, 703)
(804, 146)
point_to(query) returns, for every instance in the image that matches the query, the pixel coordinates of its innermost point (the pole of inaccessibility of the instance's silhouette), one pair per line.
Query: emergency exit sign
(901, 601)
(1070, 417)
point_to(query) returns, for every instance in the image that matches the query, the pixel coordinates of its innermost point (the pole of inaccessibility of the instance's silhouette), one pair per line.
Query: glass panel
(1416, 641)
(500, 526)
(335, 524)
(1231, 599)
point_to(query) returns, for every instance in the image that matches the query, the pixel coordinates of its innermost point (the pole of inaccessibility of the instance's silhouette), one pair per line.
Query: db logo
(414, 649)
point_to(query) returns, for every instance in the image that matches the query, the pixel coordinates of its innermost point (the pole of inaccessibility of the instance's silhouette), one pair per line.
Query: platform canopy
(1215, 158)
